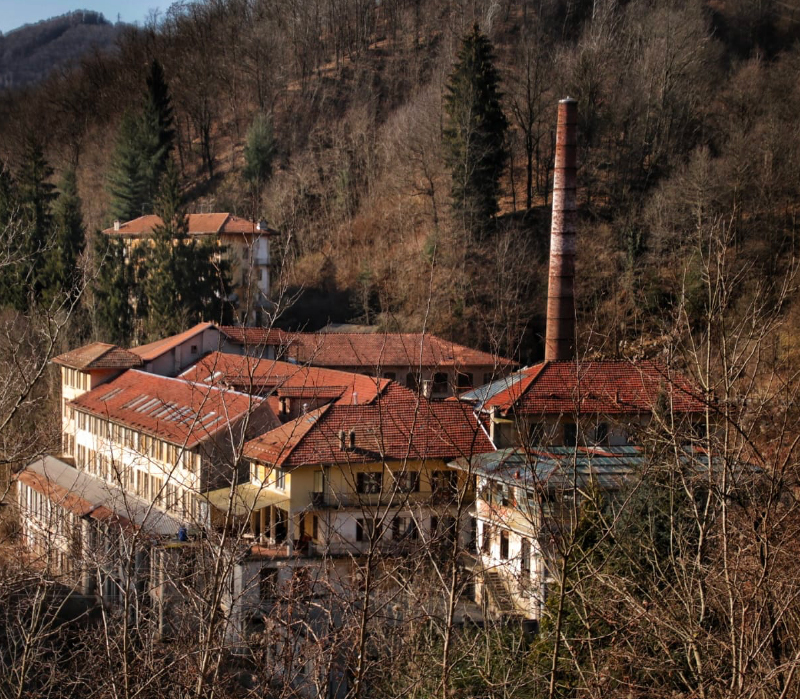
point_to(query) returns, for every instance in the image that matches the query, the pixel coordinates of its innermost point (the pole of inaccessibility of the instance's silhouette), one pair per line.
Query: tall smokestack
(560, 333)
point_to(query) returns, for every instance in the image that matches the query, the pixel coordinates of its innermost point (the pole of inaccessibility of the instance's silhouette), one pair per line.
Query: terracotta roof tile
(175, 410)
(99, 355)
(266, 376)
(604, 387)
(199, 224)
(153, 350)
(368, 350)
(256, 337)
(397, 426)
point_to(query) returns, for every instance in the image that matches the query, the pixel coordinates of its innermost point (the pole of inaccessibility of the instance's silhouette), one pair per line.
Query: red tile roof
(256, 337)
(155, 349)
(175, 410)
(604, 387)
(397, 426)
(266, 376)
(198, 224)
(99, 355)
(369, 350)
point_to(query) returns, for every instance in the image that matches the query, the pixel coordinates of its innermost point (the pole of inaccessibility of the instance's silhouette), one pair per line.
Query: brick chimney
(560, 332)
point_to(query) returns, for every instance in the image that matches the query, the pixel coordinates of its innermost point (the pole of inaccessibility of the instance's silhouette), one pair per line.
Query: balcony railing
(330, 499)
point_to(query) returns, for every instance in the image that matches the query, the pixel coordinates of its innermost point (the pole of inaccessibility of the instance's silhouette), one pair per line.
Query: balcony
(330, 499)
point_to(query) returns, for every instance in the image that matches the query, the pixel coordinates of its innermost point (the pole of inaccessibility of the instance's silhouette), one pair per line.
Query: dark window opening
(369, 483)
(601, 433)
(404, 528)
(267, 582)
(367, 529)
(440, 382)
(407, 482)
(486, 543)
(464, 381)
(389, 375)
(570, 434)
(412, 381)
(504, 545)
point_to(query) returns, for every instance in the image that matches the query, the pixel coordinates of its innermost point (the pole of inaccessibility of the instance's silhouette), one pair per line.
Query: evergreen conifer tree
(157, 132)
(144, 143)
(112, 291)
(475, 132)
(25, 277)
(159, 104)
(127, 182)
(164, 266)
(61, 274)
(259, 151)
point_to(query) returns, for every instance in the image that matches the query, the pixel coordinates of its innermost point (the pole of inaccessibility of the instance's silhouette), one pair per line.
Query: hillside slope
(687, 129)
(32, 52)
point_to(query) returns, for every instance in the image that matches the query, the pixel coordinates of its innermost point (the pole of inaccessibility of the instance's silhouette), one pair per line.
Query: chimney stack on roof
(116, 225)
(560, 332)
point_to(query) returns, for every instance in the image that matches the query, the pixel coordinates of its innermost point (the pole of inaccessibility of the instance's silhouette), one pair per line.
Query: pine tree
(24, 277)
(475, 133)
(61, 274)
(144, 144)
(158, 133)
(112, 291)
(127, 182)
(160, 103)
(164, 264)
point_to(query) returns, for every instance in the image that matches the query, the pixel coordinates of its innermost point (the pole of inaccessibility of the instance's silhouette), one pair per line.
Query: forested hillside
(30, 53)
(688, 128)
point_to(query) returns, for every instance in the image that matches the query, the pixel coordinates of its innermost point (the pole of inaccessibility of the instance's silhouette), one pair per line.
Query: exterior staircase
(499, 597)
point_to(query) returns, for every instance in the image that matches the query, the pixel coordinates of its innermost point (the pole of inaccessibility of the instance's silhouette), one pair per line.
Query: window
(486, 542)
(601, 433)
(440, 382)
(404, 528)
(525, 558)
(570, 434)
(315, 527)
(488, 377)
(280, 479)
(464, 381)
(407, 481)
(389, 375)
(444, 483)
(369, 483)
(504, 545)
(535, 433)
(193, 349)
(367, 529)
(267, 583)
(412, 381)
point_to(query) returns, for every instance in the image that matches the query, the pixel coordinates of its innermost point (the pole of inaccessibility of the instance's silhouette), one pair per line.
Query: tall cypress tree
(61, 274)
(475, 132)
